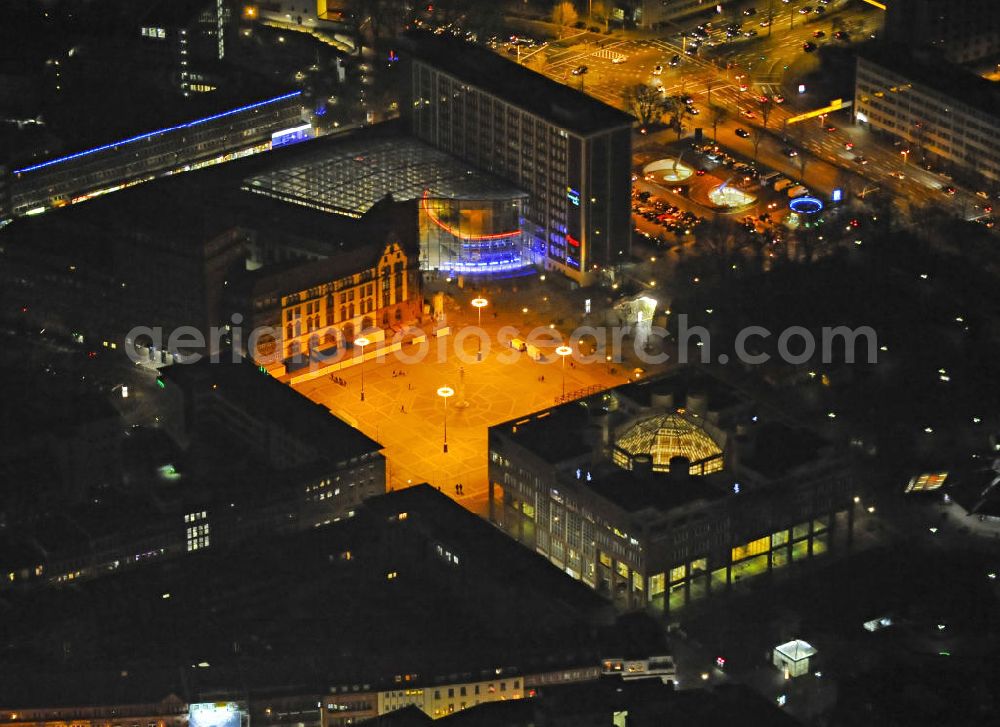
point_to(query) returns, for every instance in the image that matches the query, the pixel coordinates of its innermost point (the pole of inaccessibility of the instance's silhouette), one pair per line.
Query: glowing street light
(444, 392)
(362, 341)
(479, 304)
(906, 156)
(563, 352)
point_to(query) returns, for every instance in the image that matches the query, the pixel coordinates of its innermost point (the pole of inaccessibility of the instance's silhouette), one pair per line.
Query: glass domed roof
(669, 435)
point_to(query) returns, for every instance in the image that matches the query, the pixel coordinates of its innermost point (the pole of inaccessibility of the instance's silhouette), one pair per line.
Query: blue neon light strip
(151, 134)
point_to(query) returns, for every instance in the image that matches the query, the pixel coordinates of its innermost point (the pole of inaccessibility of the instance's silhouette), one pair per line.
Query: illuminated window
(656, 584)
(800, 531)
(699, 566)
(622, 569)
(927, 482)
(391, 575)
(754, 547)
(605, 559)
(779, 538)
(678, 573)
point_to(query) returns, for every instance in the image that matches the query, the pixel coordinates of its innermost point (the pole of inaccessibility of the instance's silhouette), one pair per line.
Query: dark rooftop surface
(925, 67)
(682, 382)
(171, 13)
(307, 612)
(633, 491)
(780, 449)
(272, 401)
(647, 702)
(552, 101)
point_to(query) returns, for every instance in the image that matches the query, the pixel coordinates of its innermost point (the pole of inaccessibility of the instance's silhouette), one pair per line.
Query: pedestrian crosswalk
(609, 54)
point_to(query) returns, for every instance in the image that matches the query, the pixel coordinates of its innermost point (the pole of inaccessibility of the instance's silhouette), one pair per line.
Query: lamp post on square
(445, 392)
(362, 342)
(564, 351)
(479, 304)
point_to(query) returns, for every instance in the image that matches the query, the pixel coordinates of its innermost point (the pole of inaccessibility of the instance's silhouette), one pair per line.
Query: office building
(409, 600)
(254, 459)
(962, 32)
(470, 221)
(318, 307)
(944, 113)
(659, 493)
(230, 134)
(568, 151)
(189, 37)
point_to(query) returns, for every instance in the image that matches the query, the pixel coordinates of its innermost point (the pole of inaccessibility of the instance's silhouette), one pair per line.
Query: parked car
(742, 133)
(579, 70)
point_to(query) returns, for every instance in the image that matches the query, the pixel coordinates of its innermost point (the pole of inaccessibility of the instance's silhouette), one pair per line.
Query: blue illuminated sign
(806, 205)
(573, 196)
(166, 130)
(838, 195)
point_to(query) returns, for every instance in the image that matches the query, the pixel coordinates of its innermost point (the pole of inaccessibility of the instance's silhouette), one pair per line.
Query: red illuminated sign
(572, 241)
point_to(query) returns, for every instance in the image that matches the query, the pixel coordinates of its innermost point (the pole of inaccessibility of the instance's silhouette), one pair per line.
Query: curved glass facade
(473, 236)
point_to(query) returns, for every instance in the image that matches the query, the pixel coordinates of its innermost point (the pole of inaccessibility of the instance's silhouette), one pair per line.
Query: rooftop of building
(176, 13)
(243, 384)
(554, 102)
(360, 248)
(646, 702)
(928, 68)
(347, 174)
(560, 433)
(437, 593)
(635, 491)
(686, 414)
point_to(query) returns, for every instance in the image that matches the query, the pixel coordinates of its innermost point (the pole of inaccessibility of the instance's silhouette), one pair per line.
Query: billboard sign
(214, 714)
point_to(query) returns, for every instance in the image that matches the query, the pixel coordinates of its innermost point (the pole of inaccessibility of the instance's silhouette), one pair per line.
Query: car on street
(790, 152)
(579, 70)
(658, 70)
(778, 98)
(687, 100)
(744, 87)
(749, 33)
(830, 129)
(691, 110)
(749, 11)
(747, 113)
(700, 172)
(983, 194)
(820, 11)
(861, 160)
(742, 133)
(809, 46)
(805, 10)
(950, 191)
(841, 35)
(897, 175)
(675, 61)
(819, 34)
(764, 23)
(619, 59)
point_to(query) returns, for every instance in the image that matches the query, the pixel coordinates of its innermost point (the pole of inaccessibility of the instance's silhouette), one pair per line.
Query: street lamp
(362, 341)
(563, 352)
(906, 156)
(444, 392)
(479, 304)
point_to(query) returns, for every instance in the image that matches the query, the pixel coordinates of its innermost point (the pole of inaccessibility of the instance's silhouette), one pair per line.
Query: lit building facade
(469, 222)
(660, 493)
(941, 111)
(316, 308)
(569, 152)
(225, 136)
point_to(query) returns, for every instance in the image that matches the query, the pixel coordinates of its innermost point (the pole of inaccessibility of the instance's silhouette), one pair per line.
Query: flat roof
(347, 175)
(931, 70)
(274, 402)
(480, 67)
(280, 597)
